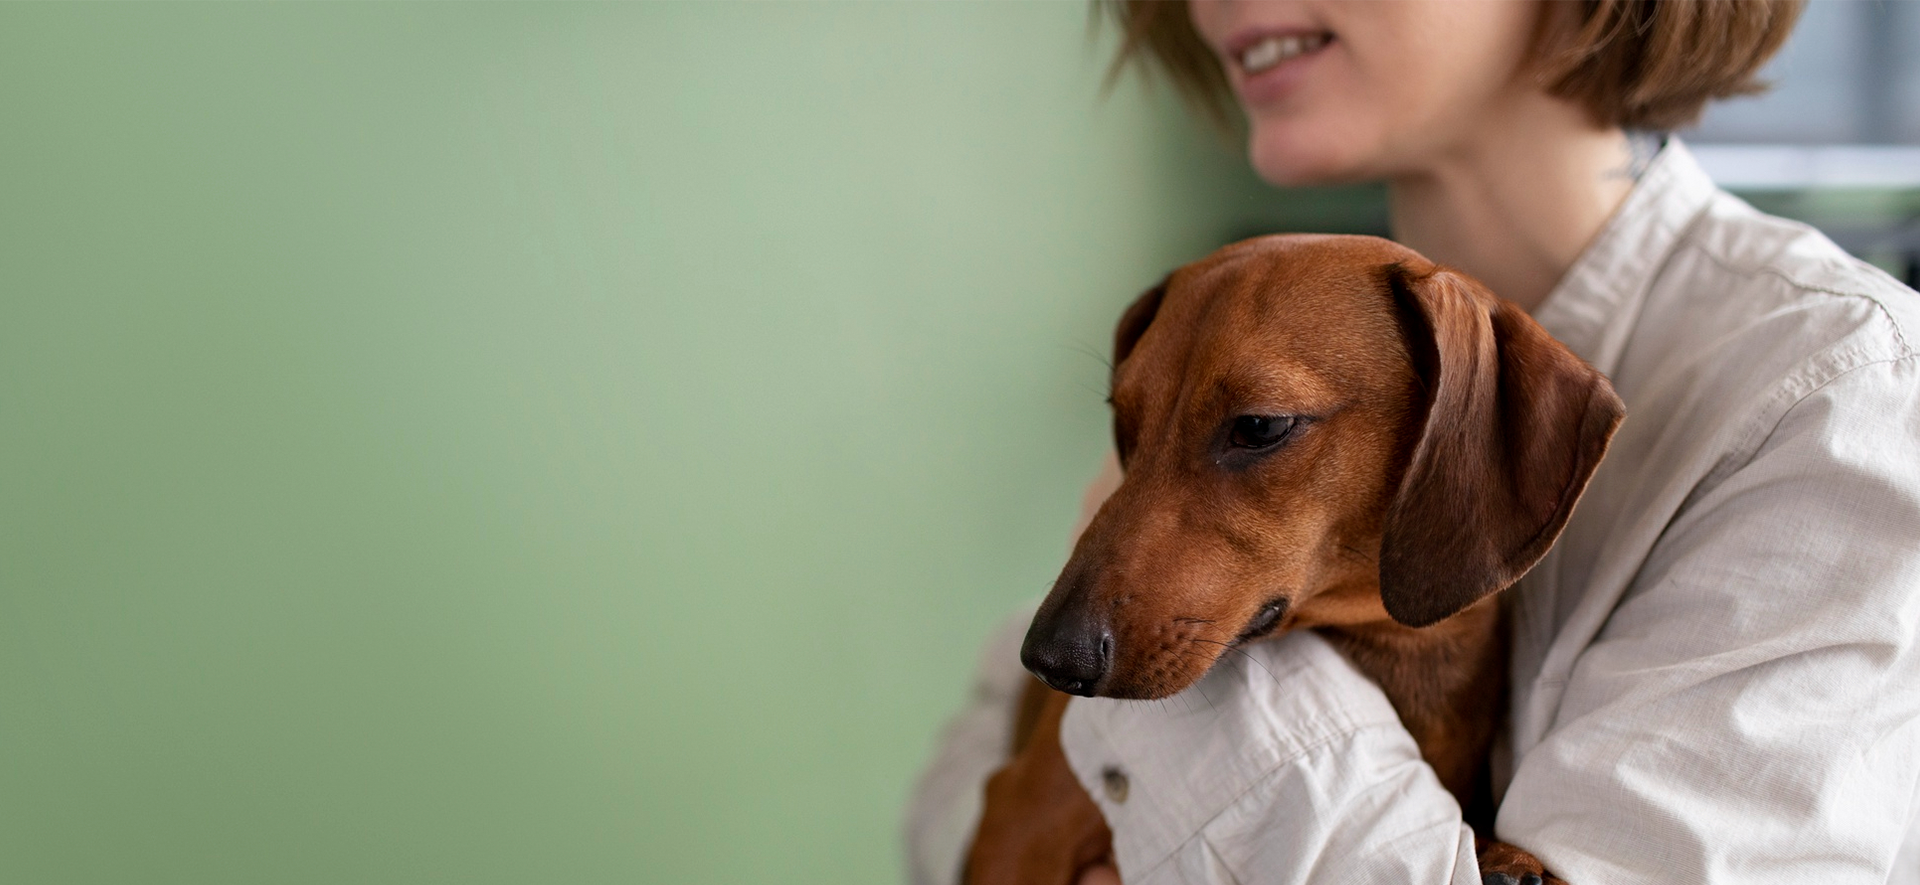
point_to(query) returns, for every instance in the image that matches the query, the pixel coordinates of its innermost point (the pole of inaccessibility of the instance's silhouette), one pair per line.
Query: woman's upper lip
(1245, 38)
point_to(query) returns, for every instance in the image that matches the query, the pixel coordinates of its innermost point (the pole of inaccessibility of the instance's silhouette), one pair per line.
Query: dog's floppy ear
(1133, 324)
(1515, 426)
(1136, 319)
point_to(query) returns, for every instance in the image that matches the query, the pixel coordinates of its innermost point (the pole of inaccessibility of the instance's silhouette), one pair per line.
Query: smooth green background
(562, 443)
(545, 444)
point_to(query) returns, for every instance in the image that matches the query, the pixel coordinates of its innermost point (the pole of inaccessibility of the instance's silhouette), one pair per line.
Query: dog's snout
(1070, 651)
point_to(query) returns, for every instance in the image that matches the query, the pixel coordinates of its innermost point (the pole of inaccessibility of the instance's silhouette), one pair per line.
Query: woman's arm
(945, 806)
(1283, 765)
(1750, 710)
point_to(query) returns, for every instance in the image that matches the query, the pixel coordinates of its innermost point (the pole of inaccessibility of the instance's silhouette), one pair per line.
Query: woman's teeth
(1274, 50)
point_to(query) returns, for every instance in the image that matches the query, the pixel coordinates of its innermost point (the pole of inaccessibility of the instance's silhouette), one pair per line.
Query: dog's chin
(1142, 692)
(1159, 680)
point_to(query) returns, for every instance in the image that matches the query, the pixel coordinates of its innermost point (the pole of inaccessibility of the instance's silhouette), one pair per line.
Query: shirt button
(1115, 782)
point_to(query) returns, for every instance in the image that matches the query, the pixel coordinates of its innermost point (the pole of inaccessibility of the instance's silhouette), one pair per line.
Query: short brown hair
(1638, 64)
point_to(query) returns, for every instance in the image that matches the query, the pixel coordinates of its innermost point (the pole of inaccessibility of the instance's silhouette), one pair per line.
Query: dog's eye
(1260, 431)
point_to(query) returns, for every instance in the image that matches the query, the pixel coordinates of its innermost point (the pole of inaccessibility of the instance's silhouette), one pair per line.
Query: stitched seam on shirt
(1754, 452)
(1754, 437)
(1758, 429)
(1201, 834)
(1225, 867)
(1720, 473)
(1899, 334)
(1253, 783)
(1753, 447)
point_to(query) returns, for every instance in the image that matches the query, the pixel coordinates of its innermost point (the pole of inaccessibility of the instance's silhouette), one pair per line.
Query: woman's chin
(1292, 160)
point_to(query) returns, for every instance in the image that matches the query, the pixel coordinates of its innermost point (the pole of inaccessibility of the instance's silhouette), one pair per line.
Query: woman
(1716, 673)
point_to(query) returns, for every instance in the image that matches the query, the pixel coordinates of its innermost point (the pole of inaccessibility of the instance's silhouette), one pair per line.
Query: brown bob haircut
(1637, 64)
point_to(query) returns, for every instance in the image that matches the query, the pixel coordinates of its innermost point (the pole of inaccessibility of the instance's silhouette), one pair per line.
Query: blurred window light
(1844, 110)
(1767, 167)
(1836, 141)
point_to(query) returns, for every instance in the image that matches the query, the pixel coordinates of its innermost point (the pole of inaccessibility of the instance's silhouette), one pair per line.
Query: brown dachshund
(1317, 432)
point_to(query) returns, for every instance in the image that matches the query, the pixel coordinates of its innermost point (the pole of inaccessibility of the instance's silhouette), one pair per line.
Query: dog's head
(1315, 431)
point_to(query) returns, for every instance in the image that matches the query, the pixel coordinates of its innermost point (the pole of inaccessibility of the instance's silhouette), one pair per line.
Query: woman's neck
(1516, 208)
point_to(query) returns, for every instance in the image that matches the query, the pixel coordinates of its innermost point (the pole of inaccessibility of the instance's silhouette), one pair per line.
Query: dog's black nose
(1069, 650)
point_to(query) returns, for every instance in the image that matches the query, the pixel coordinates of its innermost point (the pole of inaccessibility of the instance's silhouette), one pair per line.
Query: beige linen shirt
(1716, 672)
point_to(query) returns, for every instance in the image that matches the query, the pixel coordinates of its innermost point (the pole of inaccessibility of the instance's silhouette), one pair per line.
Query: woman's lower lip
(1277, 82)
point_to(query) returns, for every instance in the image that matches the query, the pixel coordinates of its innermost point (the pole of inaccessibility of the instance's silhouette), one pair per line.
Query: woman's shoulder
(1748, 307)
(1738, 278)
(1749, 319)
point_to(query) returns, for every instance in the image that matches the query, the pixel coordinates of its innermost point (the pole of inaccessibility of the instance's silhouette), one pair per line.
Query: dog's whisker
(1203, 696)
(1090, 350)
(1234, 648)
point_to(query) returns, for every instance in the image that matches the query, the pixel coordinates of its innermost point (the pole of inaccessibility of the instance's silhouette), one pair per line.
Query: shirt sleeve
(1748, 713)
(1283, 765)
(945, 807)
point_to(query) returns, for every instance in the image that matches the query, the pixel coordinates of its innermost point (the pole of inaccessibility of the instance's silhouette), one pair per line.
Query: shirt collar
(1595, 306)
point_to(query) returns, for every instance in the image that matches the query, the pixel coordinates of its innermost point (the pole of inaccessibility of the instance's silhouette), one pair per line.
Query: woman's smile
(1269, 63)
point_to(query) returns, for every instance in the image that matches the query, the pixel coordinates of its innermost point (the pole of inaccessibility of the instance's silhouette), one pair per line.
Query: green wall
(539, 444)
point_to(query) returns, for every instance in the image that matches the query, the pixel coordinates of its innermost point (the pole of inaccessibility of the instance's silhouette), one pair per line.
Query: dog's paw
(1503, 864)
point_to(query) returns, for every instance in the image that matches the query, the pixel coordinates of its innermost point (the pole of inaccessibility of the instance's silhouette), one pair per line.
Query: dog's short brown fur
(1438, 441)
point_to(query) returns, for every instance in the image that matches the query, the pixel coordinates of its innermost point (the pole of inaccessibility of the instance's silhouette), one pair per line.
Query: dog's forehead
(1284, 310)
(1287, 273)
(1320, 296)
